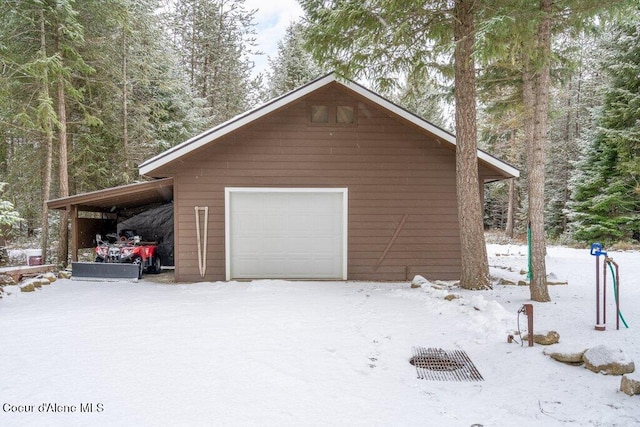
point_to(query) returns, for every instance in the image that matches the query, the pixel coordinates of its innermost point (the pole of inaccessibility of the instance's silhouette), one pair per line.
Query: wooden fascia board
(126, 191)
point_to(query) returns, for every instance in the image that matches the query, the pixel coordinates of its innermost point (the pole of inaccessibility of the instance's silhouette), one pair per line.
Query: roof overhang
(119, 198)
(152, 165)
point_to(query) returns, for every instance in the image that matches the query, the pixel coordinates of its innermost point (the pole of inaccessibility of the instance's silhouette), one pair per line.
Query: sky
(272, 18)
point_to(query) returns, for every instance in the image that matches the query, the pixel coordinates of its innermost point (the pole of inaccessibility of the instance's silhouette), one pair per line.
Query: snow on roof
(168, 156)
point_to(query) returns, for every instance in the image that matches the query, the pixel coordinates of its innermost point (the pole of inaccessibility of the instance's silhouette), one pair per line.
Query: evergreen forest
(90, 89)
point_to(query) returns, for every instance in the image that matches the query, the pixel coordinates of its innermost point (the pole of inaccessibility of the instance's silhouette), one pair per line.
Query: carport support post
(73, 211)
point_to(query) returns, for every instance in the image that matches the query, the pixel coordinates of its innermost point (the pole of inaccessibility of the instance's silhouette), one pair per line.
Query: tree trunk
(46, 190)
(48, 134)
(536, 169)
(475, 267)
(63, 163)
(513, 196)
(510, 209)
(192, 52)
(129, 173)
(125, 106)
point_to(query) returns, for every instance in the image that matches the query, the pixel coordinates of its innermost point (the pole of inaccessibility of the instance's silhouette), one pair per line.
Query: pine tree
(292, 66)
(28, 70)
(67, 36)
(138, 102)
(425, 99)
(67, 59)
(215, 39)
(9, 217)
(525, 40)
(606, 199)
(573, 98)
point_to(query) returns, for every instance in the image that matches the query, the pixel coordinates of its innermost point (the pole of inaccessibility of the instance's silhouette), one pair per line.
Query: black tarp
(155, 224)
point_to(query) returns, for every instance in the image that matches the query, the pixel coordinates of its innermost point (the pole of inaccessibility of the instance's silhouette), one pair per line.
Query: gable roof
(180, 150)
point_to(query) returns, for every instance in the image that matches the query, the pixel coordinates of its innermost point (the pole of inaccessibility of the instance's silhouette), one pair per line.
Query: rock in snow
(545, 338)
(566, 354)
(630, 384)
(5, 279)
(418, 281)
(609, 361)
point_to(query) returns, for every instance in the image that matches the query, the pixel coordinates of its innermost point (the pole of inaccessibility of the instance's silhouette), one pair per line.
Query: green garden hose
(615, 290)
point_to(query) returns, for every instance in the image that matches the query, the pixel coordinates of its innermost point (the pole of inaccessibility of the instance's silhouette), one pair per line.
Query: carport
(101, 211)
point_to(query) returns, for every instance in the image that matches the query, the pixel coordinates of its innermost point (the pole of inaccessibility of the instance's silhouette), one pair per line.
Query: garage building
(329, 181)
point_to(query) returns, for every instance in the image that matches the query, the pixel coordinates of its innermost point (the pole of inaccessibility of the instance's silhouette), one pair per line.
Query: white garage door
(287, 233)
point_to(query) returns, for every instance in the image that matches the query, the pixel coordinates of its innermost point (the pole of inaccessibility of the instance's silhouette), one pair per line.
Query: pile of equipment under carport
(122, 256)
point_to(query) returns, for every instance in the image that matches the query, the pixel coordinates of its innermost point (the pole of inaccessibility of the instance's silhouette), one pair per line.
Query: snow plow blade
(104, 271)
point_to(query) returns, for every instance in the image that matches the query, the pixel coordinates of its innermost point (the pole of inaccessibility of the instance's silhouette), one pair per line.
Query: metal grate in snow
(441, 365)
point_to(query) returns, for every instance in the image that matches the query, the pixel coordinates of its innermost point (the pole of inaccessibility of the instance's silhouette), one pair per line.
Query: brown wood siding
(391, 169)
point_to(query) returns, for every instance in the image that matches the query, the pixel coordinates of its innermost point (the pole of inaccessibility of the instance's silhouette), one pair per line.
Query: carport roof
(119, 198)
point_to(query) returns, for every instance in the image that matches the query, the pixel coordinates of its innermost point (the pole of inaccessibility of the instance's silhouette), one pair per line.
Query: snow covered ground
(310, 353)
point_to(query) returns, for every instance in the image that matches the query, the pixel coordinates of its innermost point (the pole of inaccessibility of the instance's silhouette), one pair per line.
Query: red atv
(128, 248)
